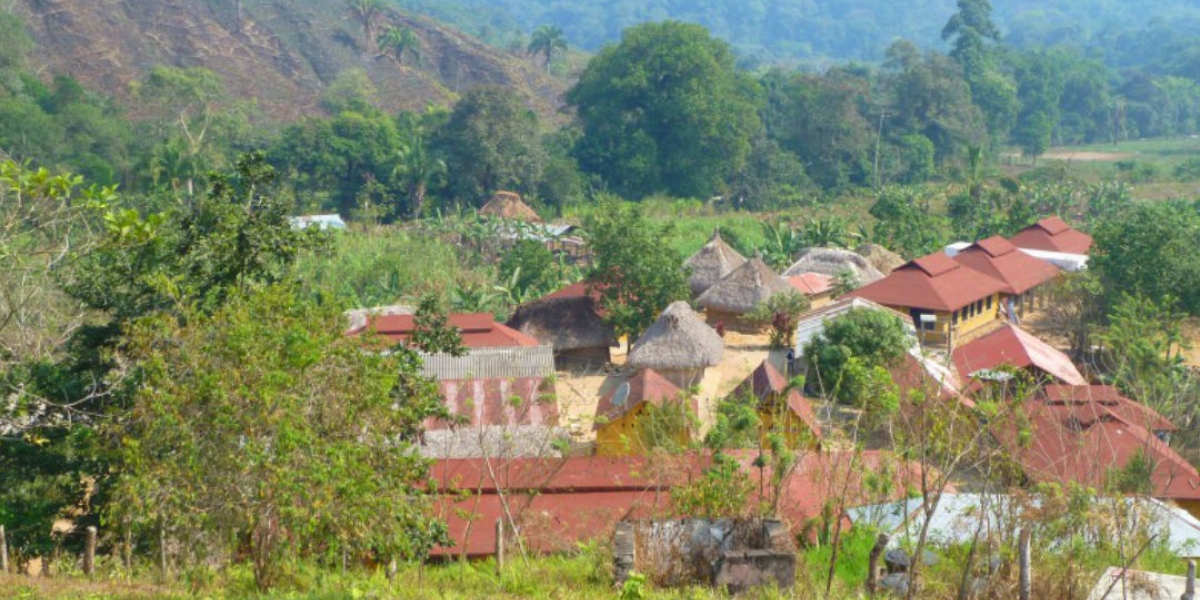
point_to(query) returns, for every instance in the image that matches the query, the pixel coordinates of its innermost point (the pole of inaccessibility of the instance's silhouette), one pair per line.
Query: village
(564, 431)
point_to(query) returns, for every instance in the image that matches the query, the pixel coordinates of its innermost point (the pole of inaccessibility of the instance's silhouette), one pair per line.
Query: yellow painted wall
(950, 329)
(795, 431)
(619, 437)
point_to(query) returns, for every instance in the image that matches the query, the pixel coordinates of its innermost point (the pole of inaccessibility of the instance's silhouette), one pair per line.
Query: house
(712, 263)
(737, 294)
(945, 299)
(884, 260)
(781, 409)
(570, 321)
(558, 503)
(621, 414)
(508, 206)
(1011, 346)
(1054, 235)
(811, 324)
(817, 287)
(834, 262)
(679, 345)
(1088, 435)
(494, 351)
(1025, 278)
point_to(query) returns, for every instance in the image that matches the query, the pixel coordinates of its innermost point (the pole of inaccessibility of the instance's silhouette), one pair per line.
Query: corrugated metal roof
(491, 363)
(1010, 345)
(478, 330)
(999, 259)
(935, 282)
(483, 402)
(1054, 234)
(811, 284)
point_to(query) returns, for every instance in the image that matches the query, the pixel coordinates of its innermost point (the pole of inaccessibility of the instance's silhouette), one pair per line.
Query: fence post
(89, 552)
(499, 546)
(162, 550)
(873, 563)
(3, 551)
(1024, 558)
(1189, 590)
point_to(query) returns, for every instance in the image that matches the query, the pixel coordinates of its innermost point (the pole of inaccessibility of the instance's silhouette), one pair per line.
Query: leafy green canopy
(666, 110)
(1150, 248)
(843, 361)
(262, 420)
(636, 273)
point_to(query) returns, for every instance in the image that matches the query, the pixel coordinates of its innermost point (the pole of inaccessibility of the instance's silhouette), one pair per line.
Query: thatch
(834, 261)
(712, 263)
(566, 323)
(879, 257)
(508, 206)
(679, 340)
(744, 289)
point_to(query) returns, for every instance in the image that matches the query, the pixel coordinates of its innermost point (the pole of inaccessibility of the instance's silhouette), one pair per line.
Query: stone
(737, 572)
(896, 583)
(897, 560)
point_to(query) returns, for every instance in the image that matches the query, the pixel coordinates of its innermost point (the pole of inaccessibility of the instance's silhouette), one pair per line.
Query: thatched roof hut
(679, 341)
(571, 324)
(744, 289)
(712, 263)
(879, 257)
(509, 207)
(834, 261)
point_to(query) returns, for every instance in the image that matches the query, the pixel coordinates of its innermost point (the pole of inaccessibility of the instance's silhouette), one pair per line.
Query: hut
(621, 412)
(508, 206)
(834, 262)
(781, 408)
(881, 258)
(741, 291)
(712, 263)
(679, 345)
(571, 322)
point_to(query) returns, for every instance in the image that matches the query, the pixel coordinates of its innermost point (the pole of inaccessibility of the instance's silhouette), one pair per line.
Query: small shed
(679, 345)
(508, 206)
(571, 323)
(741, 291)
(712, 263)
(621, 411)
(834, 262)
(781, 409)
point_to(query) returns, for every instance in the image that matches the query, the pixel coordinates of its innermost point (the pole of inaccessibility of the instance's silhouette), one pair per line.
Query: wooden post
(1024, 558)
(499, 546)
(89, 552)
(128, 551)
(392, 567)
(1189, 590)
(162, 550)
(873, 563)
(3, 551)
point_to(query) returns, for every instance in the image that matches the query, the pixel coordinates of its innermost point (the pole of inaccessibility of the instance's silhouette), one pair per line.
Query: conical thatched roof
(832, 261)
(508, 206)
(678, 340)
(879, 257)
(744, 289)
(566, 323)
(712, 263)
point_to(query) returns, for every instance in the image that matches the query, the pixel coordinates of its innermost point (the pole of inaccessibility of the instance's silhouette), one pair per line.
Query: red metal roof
(1055, 235)
(1084, 442)
(768, 385)
(645, 386)
(1111, 399)
(478, 330)
(997, 258)
(811, 284)
(560, 502)
(485, 402)
(935, 282)
(1012, 346)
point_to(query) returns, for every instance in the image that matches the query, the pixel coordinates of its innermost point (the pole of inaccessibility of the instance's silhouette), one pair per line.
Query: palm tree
(367, 12)
(417, 168)
(546, 40)
(400, 41)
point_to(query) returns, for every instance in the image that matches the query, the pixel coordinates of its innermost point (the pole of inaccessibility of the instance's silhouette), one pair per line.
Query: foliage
(636, 275)
(905, 223)
(432, 332)
(843, 358)
(1150, 248)
(1145, 345)
(547, 40)
(721, 491)
(781, 312)
(665, 110)
(261, 420)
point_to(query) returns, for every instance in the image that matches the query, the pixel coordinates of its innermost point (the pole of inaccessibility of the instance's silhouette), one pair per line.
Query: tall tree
(666, 111)
(400, 41)
(367, 12)
(547, 40)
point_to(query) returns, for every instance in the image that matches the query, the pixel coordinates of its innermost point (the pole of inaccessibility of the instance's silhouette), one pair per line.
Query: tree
(1040, 87)
(905, 224)
(400, 41)
(491, 142)
(260, 427)
(665, 111)
(367, 12)
(842, 357)
(780, 312)
(636, 274)
(547, 40)
(1150, 248)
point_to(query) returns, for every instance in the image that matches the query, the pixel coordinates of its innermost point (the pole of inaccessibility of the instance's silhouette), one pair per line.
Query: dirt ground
(579, 392)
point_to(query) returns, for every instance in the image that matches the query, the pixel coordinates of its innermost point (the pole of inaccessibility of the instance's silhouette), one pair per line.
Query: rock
(895, 582)
(897, 560)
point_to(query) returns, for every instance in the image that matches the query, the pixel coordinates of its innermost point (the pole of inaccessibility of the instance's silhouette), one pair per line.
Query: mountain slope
(283, 53)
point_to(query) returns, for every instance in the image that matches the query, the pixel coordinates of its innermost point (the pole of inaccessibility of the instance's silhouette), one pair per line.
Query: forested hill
(813, 30)
(284, 53)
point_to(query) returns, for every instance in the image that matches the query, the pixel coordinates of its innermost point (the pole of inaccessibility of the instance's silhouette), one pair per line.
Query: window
(954, 318)
(989, 303)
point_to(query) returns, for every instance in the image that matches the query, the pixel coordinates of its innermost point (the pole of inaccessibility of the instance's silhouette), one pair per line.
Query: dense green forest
(765, 31)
